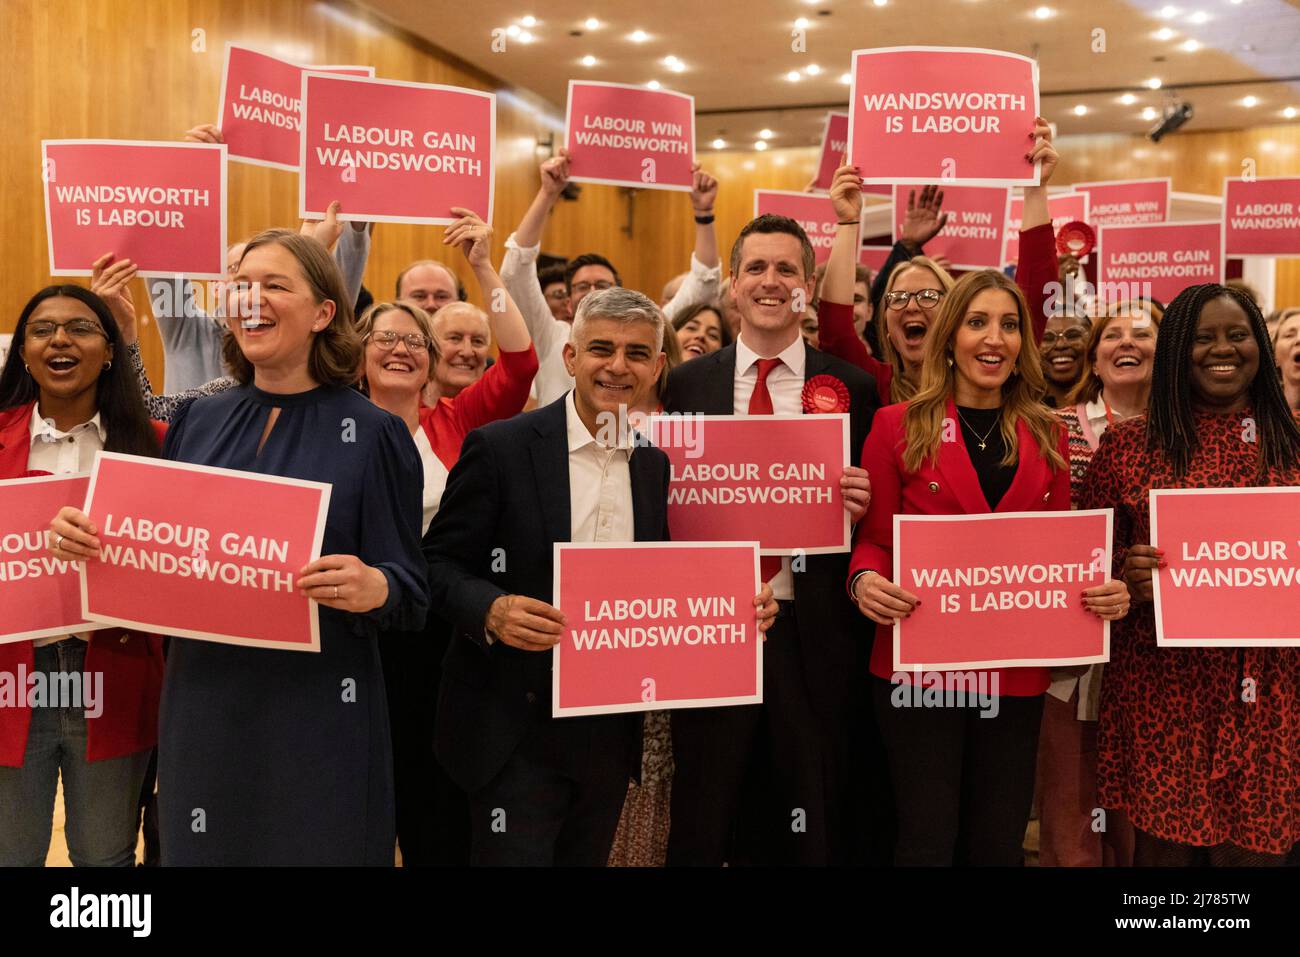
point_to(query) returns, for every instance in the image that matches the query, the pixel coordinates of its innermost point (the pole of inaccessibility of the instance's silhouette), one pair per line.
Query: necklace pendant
(981, 446)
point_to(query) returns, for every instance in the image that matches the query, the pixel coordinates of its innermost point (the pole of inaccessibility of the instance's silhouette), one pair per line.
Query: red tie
(760, 403)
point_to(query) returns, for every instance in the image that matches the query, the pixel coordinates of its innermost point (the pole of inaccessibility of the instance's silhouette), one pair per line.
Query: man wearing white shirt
(591, 272)
(810, 663)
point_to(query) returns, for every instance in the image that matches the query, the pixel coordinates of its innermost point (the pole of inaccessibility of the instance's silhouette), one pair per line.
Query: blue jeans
(101, 799)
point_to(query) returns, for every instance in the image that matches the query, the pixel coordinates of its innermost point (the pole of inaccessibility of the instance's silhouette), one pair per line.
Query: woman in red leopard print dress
(1201, 772)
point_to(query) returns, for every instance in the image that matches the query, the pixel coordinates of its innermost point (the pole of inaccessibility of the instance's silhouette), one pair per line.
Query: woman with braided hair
(1204, 776)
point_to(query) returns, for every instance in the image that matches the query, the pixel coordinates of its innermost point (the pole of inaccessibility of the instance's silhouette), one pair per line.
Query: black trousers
(432, 812)
(559, 797)
(763, 784)
(963, 784)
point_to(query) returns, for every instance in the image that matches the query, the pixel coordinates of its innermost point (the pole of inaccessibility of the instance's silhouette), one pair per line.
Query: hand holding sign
(327, 231)
(846, 194)
(881, 600)
(1139, 564)
(1043, 152)
(72, 535)
(343, 582)
(111, 281)
(525, 623)
(204, 133)
(855, 487)
(1108, 601)
(923, 220)
(472, 236)
(765, 601)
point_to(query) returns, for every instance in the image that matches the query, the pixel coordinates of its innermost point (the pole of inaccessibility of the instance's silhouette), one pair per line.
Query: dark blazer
(506, 504)
(830, 629)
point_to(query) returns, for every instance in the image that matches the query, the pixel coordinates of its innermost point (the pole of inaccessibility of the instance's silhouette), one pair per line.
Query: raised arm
(519, 267)
(1036, 272)
(835, 332)
(702, 283)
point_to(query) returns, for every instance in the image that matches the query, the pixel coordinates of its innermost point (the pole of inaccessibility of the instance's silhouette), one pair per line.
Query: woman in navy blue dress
(284, 757)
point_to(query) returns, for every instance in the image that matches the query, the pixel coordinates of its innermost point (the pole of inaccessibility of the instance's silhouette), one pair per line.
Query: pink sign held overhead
(1001, 590)
(645, 630)
(1061, 207)
(835, 145)
(1232, 567)
(1261, 217)
(1126, 202)
(943, 114)
(1157, 261)
(178, 559)
(977, 221)
(40, 594)
(161, 205)
(261, 106)
(813, 211)
(771, 477)
(624, 135)
(395, 152)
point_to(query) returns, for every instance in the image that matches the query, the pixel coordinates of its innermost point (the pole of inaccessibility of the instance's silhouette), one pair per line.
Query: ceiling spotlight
(1168, 12)
(765, 134)
(653, 84)
(846, 78)
(760, 145)
(1044, 13)
(592, 23)
(529, 21)
(793, 76)
(1149, 113)
(677, 66)
(1128, 99)
(526, 37)
(812, 69)
(719, 144)
(1289, 112)
(880, 3)
(512, 30)
(638, 36)
(1153, 83)
(801, 23)
(1191, 46)
(1199, 17)
(1249, 101)
(589, 60)
(1164, 33)
(669, 60)
(1080, 110)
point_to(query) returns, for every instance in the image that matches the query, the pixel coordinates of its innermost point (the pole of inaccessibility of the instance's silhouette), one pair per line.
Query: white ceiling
(737, 53)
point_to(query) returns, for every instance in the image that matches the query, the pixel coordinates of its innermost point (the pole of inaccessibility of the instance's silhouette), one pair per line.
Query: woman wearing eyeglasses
(64, 396)
(1062, 349)
(917, 286)
(405, 351)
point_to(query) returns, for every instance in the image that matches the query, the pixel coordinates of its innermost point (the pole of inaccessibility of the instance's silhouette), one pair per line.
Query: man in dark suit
(800, 738)
(543, 790)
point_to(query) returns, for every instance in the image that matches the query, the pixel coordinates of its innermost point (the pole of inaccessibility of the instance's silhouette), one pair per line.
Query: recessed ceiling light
(765, 134)
(638, 36)
(1149, 113)
(846, 78)
(812, 69)
(1153, 83)
(529, 21)
(1044, 13)
(880, 3)
(669, 60)
(1080, 110)
(589, 60)
(1289, 112)
(526, 37)
(1164, 33)
(592, 23)
(512, 30)
(801, 23)
(1128, 99)
(1199, 16)
(1168, 12)
(1191, 46)
(719, 144)
(1249, 100)
(760, 145)
(677, 66)
(793, 76)
(653, 84)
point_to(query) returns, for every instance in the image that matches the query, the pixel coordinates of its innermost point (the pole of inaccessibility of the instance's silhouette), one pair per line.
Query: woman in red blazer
(63, 397)
(963, 778)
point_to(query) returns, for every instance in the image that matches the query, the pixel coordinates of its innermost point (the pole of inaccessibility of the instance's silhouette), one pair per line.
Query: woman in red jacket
(963, 783)
(62, 399)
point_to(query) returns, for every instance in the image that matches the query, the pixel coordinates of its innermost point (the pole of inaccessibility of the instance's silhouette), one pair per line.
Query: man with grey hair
(542, 790)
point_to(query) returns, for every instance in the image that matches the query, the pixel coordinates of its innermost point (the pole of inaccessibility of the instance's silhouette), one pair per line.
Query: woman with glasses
(64, 395)
(1062, 349)
(916, 287)
(406, 351)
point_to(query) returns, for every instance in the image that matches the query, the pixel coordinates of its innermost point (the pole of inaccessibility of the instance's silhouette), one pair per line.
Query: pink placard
(181, 558)
(261, 106)
(771, 477)
(835, 144)
(624, 135)
(395, 152)
(1232, 566)
(952, 114)
(873, 257)
(1261, 217)
(812, 211)
(1061, 207)
(977, 221)
(161, 205)
(645, 630)
(1159, 260)
(1126, 202)
(1002, 590)
(40, 594)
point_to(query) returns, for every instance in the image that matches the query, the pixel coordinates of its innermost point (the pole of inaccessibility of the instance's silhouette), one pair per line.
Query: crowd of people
(479, 443)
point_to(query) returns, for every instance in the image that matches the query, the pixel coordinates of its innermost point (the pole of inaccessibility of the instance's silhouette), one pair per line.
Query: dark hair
(1171, 426)
(335, 357)
(587, 259)
(117, 394)
(686, 315)
(771, 223)
(550, 276)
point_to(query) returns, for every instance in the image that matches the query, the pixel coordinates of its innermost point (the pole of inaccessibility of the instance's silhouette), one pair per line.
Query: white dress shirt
(435, 477)
(63, 453)
(600, 484)
(785, 384)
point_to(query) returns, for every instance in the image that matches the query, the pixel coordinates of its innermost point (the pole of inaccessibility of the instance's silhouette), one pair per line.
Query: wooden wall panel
(126, 69)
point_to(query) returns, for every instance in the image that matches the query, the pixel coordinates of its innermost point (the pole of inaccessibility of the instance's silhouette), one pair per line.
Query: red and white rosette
(824, 394)
(1076, 239)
